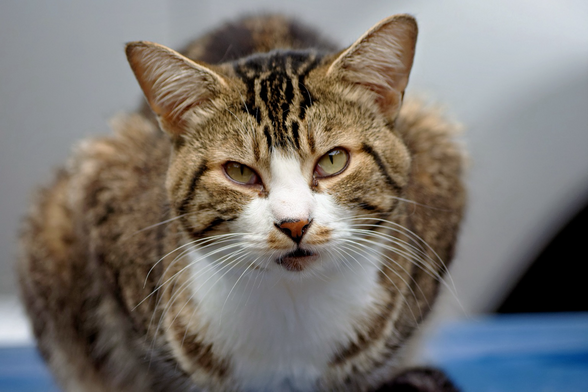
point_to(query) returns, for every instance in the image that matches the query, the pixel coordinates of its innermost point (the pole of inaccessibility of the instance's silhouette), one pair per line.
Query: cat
(277, 220)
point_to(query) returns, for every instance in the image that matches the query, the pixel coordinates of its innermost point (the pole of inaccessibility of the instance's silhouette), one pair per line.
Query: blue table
(522, 353)
(518, 353)
(23, 370)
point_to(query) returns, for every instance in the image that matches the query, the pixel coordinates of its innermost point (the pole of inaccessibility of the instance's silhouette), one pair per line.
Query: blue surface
(522, 353)
(23, 370)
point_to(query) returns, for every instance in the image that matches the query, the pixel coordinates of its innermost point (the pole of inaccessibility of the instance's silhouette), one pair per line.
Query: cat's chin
(297, 260)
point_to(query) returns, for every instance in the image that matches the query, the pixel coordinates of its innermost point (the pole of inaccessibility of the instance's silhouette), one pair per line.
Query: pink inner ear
(389, 102)
(171, 83)
(388, 84)
(381, 61)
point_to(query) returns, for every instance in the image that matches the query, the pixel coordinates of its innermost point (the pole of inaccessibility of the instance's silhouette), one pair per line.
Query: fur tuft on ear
(381, 61)
(171, 83)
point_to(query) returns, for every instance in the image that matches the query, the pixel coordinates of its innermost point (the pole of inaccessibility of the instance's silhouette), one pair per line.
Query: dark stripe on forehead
(276, 90)
(307, 98)
(249, 103)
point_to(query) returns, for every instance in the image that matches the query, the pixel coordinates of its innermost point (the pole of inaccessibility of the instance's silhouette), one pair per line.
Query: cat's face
(297, 199)
(279, 157)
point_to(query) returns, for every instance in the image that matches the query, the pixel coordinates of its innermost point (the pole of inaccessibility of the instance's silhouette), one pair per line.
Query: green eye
(333, 162)
(241, 173)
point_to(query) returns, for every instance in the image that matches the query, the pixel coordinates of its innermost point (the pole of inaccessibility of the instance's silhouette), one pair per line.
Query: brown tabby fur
(91, 242)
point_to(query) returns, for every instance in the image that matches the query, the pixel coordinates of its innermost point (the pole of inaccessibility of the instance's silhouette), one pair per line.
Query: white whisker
(347, 246)
(183, 254)
(158, 224)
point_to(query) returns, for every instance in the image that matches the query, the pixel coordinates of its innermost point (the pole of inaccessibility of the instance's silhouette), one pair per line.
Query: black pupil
(331, 155)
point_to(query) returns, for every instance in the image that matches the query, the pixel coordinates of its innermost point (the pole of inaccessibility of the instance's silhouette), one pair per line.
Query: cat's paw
(419, 380)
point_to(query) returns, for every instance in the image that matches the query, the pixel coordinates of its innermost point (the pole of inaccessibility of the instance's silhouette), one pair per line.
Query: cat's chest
(276, 331)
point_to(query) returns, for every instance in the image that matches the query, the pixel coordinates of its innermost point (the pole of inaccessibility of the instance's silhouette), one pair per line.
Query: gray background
(514, 72)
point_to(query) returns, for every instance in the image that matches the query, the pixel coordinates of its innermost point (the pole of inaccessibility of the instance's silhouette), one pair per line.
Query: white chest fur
(280, 334)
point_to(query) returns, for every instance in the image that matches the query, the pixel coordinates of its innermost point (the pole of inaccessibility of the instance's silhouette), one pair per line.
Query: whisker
(436, 274)
(363, 246)
(242, 253)
(413, 236)
(237, 118)
(408, 253)
(405, 300)
(195, 242)
(413, 248)
(405, 230)
(184, 268)
(233, 263)
(183, 254)
(380, 253)
(158, 224)
(213, 252)
(237, 282)
(186, 284)
(214, 241)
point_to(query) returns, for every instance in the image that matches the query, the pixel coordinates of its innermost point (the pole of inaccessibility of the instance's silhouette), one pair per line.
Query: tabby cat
(287, 231)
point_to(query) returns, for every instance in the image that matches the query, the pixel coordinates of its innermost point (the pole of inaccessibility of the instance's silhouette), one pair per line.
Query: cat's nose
(294, 229)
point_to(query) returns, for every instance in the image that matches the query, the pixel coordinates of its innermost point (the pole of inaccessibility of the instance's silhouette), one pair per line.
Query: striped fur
(145, 267)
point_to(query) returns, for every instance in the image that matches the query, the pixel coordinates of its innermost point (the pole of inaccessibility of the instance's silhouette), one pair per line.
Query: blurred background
(513, 72)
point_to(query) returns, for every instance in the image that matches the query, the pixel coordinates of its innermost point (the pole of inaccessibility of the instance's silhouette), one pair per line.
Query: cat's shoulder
(104, 176)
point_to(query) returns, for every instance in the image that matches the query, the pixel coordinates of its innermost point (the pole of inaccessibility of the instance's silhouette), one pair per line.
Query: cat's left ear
(380, 61)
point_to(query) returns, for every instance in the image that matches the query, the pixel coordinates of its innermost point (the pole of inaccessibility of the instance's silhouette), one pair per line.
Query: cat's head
(281, 156)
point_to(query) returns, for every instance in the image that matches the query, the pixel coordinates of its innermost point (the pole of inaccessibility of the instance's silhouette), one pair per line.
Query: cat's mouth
(297, 260)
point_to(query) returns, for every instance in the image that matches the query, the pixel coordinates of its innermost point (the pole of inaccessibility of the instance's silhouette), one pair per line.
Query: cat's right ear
(172, 83)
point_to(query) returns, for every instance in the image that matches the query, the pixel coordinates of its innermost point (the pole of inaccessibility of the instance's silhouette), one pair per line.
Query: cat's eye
(332, 163)
(240, 173)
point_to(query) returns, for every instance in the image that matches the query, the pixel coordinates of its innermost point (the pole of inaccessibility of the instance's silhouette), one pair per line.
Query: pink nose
(294, 229)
